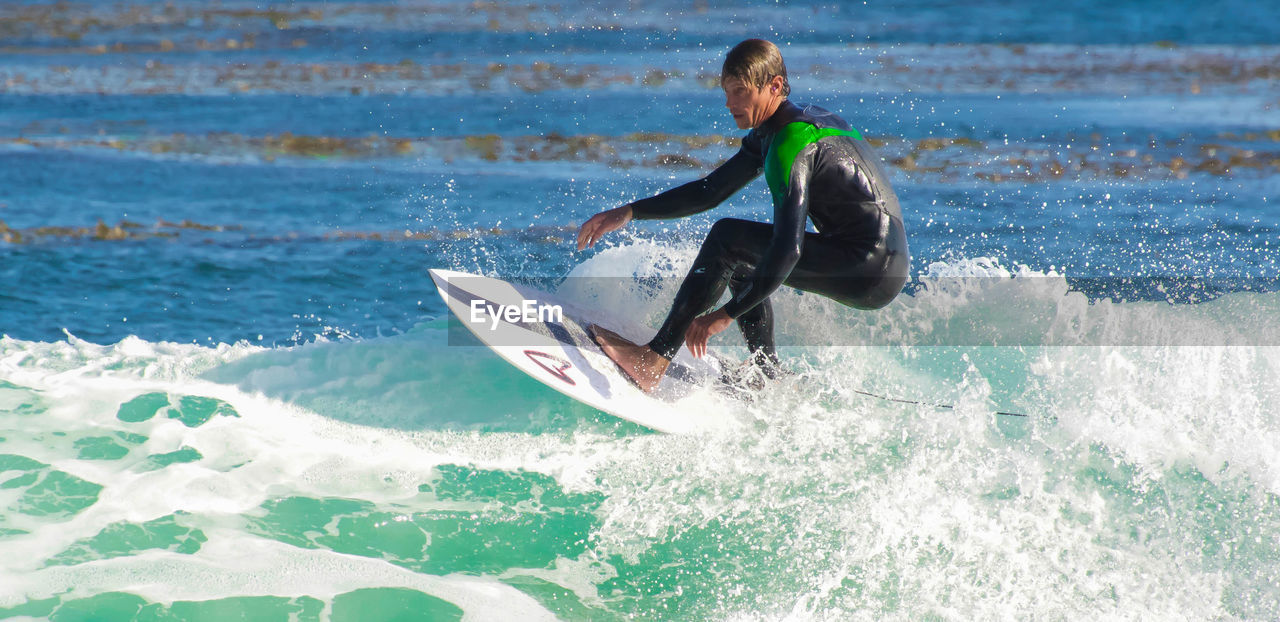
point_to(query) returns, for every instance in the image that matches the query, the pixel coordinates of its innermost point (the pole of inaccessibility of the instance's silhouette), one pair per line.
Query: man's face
(749, 106)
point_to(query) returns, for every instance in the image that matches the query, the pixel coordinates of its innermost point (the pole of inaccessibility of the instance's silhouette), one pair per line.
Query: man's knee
(724, 238)
(717, 243)
(726, 229)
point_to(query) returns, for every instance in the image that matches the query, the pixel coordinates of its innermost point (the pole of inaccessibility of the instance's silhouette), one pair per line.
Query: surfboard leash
(931, 404)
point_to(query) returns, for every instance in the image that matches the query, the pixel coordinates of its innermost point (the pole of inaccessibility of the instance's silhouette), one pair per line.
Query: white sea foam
(232, 564)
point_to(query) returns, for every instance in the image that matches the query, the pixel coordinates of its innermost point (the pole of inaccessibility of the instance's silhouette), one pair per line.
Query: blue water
(228, 386)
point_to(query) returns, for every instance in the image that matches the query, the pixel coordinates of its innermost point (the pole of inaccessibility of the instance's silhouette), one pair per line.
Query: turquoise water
(229, 390)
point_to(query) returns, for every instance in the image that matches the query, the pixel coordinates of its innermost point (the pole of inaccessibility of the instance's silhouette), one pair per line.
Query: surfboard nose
(439, 277)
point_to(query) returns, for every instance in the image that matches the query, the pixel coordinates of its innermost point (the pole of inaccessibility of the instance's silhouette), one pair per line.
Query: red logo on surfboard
(560, 365)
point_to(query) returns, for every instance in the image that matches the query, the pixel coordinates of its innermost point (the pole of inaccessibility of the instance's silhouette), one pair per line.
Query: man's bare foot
(641, 364)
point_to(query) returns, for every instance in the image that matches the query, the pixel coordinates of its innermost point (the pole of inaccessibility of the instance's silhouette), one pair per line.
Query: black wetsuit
(818, 169)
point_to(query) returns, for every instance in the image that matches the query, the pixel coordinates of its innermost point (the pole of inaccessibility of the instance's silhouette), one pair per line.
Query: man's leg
(854, 272)
(861, 274)
(756, 326)
(732, 247)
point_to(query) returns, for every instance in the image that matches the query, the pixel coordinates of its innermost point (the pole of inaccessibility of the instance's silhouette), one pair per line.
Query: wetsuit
(817, 168)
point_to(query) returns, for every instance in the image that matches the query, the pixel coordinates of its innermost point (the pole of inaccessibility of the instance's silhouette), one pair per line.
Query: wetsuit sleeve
(708, 192)
(790, 213)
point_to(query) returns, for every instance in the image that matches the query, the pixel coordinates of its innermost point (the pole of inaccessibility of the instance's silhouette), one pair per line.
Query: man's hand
(703, 328)
(602, 223)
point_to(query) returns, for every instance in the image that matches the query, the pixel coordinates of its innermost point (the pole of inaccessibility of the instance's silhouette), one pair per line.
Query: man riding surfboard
(818, 169)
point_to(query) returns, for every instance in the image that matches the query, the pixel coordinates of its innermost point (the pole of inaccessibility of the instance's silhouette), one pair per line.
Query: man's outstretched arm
(703, 194)
(691, 198)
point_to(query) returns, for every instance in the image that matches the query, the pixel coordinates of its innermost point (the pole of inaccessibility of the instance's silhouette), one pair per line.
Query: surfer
(817, 168)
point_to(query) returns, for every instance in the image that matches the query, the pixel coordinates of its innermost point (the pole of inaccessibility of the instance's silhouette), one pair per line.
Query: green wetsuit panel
(784, 148)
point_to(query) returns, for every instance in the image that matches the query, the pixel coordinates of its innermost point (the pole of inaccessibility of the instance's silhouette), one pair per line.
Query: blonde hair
(755, 62)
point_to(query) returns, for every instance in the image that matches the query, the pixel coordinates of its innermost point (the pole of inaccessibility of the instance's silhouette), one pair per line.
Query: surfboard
(546, 337)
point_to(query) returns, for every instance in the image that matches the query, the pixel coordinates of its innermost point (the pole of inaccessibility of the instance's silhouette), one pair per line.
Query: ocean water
(229, 390)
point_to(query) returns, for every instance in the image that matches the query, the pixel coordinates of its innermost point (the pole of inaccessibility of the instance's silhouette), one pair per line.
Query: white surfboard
(522, 326)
